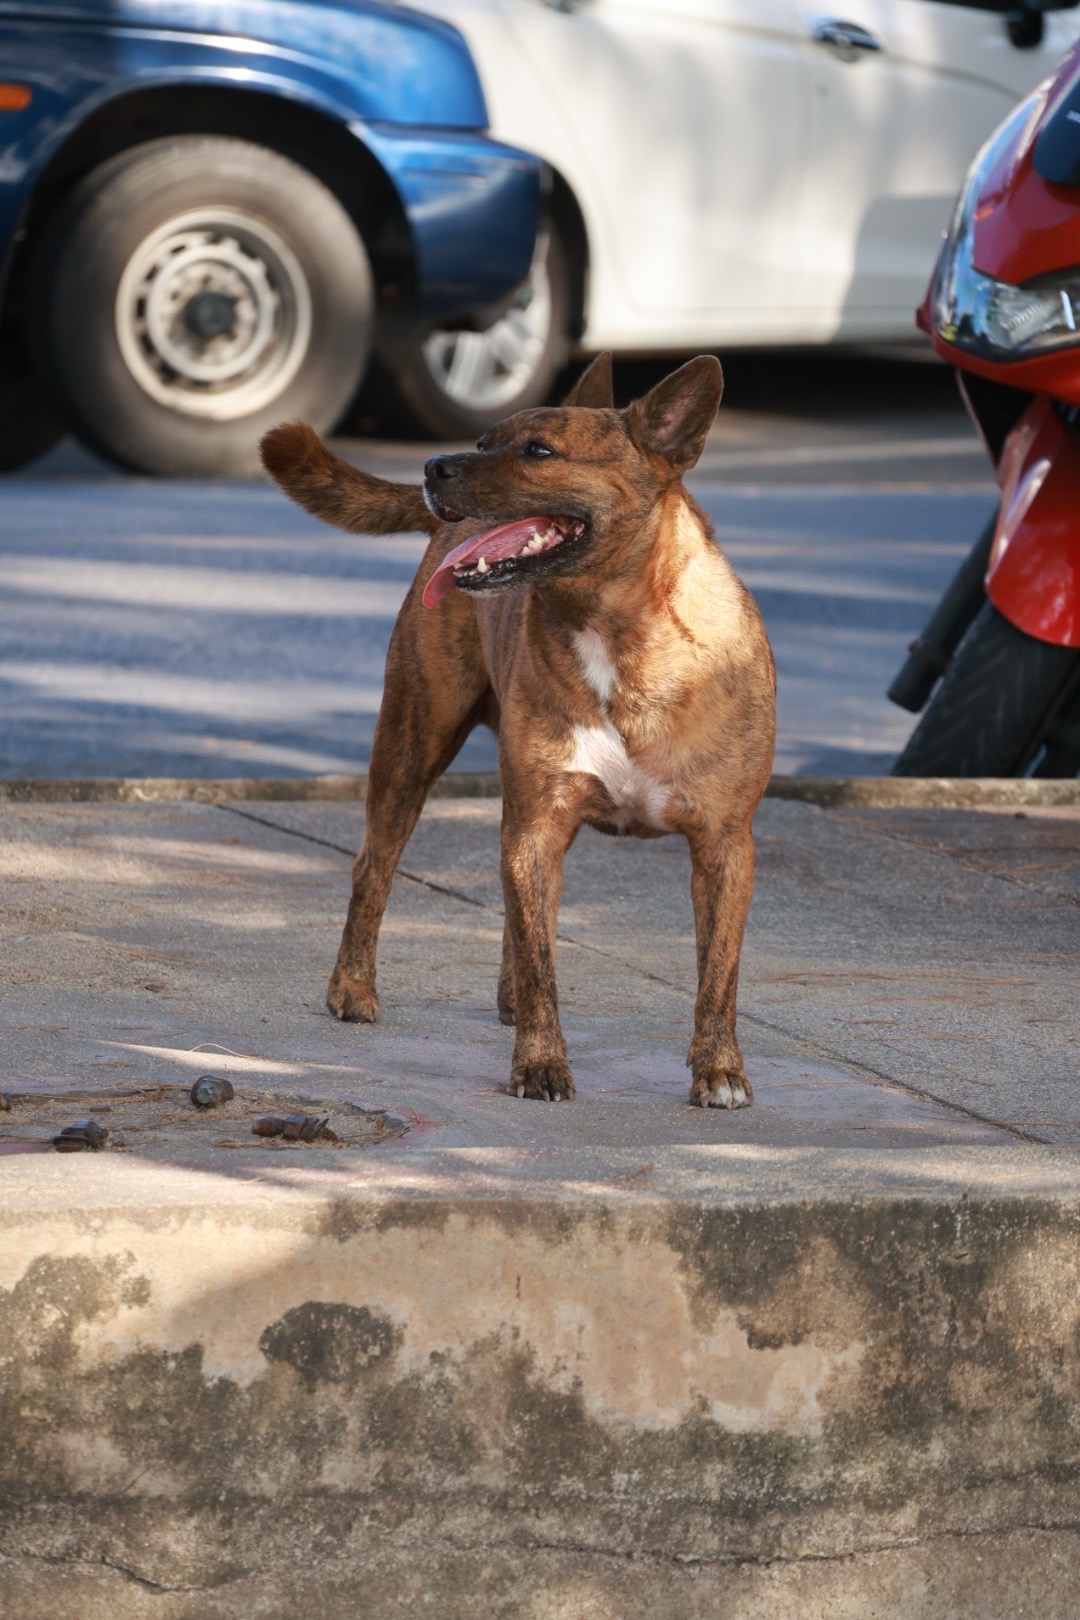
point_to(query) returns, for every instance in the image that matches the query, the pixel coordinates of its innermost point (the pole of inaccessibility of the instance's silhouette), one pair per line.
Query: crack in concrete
(571, 1549)
(74, 1560)
(812, 1048)
(749, 1561)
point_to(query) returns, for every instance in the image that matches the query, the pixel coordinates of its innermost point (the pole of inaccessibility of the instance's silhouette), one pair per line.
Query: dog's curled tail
(331, 489)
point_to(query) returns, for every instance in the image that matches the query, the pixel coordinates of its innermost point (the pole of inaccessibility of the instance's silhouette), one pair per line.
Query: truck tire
(192, 292)
(28, 425)
(451, 384)
(989, 713)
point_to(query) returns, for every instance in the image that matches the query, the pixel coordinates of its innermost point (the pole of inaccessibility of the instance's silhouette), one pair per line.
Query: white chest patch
(638, 796)
(596, 665)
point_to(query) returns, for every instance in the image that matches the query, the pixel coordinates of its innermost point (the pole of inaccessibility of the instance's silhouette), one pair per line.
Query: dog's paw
(352, 1000)
(723, 1088)
(547, 1082)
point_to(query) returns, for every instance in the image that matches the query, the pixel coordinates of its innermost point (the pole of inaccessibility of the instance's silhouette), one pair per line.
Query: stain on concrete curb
(543, 1409)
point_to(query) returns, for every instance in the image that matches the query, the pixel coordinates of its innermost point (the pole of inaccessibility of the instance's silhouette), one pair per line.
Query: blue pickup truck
(212, 211)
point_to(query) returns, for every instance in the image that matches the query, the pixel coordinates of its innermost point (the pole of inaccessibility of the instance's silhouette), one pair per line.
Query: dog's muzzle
(504, 556)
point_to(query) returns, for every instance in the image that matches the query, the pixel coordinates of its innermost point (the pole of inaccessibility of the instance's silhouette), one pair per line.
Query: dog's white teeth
(482, 566)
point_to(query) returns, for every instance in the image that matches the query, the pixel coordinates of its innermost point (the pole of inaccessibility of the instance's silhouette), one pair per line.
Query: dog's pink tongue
(504, 541)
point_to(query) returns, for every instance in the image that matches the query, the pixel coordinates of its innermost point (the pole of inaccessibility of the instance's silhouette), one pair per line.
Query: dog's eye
(537, 447)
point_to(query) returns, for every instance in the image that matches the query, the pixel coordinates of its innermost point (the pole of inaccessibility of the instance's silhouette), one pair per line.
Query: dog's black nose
(440, 468)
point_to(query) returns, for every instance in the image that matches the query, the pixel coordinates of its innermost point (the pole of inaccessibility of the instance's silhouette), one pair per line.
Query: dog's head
(564, 492)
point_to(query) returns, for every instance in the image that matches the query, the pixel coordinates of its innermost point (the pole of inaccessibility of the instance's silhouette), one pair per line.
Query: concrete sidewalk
(617, 1359)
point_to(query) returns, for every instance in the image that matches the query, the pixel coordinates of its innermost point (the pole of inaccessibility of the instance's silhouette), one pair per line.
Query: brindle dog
(574, 599)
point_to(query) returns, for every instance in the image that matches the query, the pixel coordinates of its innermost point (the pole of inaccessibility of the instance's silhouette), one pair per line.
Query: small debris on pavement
(209, 1092)
(295, 1127)
(84, 1135)
(307, 1127)
(5, 1103)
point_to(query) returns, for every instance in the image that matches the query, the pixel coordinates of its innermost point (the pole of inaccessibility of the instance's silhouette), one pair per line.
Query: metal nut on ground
(209, 1092)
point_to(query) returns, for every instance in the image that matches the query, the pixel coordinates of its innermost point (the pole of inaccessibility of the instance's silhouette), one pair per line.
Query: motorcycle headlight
(994, 318)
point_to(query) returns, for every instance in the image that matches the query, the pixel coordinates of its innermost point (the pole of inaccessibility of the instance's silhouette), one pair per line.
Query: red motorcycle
(997, 668)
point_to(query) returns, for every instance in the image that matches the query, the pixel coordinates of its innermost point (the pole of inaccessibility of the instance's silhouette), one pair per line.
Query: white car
(724, 173)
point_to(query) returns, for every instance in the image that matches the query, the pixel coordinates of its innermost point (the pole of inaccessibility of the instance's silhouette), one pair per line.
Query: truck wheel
(453, 384)
(989, 713)
(192, 292)
(28, 426)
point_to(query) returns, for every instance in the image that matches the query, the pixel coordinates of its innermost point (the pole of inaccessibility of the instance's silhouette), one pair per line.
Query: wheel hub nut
(210, 315)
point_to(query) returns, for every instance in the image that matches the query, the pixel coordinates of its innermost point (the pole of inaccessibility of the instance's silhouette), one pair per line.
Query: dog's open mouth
(503, 556)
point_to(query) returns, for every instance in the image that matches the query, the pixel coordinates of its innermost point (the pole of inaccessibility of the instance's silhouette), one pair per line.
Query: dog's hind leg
(429, 707)
(721, 887)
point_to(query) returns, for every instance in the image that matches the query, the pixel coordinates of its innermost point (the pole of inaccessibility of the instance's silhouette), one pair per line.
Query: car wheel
(28, 426)
(991, 709)
(452, 384)
(191, 293)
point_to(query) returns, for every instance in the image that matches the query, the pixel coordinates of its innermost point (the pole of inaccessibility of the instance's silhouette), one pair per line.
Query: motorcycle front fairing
(1033, 577)
(1004, 306)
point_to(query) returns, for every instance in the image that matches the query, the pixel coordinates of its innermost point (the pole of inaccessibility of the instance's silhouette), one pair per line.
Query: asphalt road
(212, 629)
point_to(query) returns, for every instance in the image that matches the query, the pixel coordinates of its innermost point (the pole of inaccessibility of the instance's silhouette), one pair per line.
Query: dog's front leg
(721, 886)
(532, 857)
(505, 996)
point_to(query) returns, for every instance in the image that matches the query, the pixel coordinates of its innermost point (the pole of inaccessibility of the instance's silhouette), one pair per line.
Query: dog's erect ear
(593, 387)
(673, 419)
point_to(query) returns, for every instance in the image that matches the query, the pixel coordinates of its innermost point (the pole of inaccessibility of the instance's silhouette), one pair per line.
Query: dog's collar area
(502, 556)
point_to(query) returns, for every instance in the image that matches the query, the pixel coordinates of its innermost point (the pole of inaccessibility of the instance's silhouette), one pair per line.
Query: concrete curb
(565, 1405)
(829, 792)
(625, 1361)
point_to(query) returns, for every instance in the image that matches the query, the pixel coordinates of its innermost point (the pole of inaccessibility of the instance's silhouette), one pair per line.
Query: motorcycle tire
(988, 715)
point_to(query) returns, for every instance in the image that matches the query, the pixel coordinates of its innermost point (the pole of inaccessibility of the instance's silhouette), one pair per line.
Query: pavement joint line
(879, 1078)
(828, 792)
(326, 843)
(457, 894)
(811, 1047)
(895, 836)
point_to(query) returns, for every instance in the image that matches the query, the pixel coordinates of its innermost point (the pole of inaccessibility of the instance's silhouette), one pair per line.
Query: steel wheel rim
(213, 314)
(485, 371)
